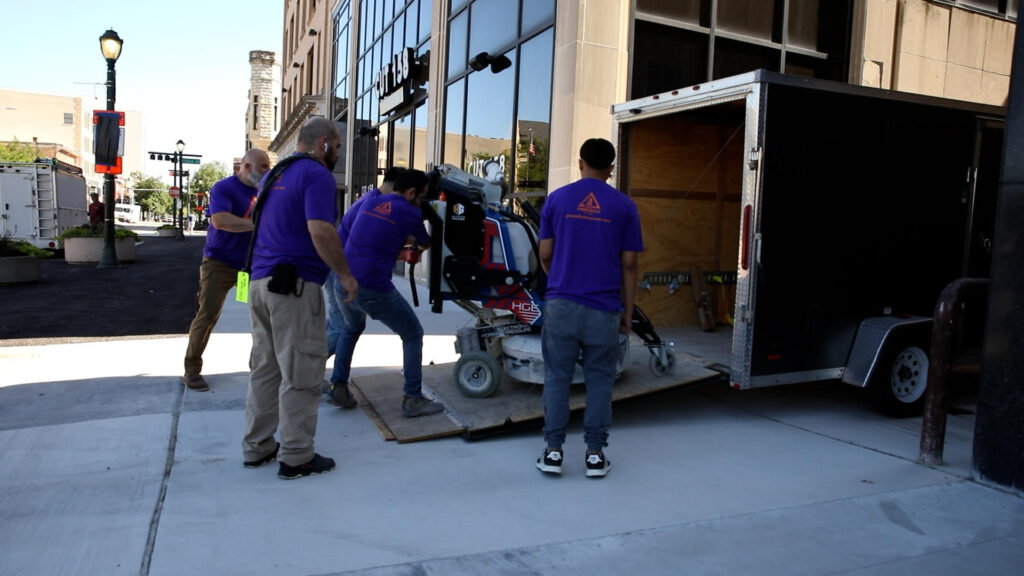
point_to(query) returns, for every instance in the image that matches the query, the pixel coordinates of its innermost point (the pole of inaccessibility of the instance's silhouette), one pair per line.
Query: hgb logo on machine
(526, 310)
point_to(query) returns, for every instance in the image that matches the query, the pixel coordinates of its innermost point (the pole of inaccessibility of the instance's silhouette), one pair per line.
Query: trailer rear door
(861, 209)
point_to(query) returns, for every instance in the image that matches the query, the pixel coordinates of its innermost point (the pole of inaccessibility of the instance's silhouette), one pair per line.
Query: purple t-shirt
(235, 197)
(592, 224)
(380, 228)
(350, 216)
(305, 191)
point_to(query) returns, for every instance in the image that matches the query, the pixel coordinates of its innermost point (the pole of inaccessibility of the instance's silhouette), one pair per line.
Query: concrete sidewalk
(109, 466)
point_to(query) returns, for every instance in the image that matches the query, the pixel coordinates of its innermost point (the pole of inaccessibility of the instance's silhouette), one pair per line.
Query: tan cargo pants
(287, 363)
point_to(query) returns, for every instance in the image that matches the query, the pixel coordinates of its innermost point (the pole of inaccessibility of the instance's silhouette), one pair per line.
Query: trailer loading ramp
(512, 406)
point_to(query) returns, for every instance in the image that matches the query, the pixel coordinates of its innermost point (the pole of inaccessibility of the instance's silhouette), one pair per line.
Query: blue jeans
(335, 321)
(396, 313)
(570, 328)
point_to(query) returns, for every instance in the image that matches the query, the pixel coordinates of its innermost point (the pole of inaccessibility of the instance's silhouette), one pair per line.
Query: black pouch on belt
(283, 279)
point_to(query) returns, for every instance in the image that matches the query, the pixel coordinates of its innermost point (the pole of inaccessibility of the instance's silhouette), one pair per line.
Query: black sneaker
(339, 395)
(261, 461)
(551, 461)
(318, 465)
(597, 465)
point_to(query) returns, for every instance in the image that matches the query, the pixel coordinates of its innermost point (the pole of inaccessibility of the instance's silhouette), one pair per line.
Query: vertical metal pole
(108, 258)
(181, 195)
(940, 360)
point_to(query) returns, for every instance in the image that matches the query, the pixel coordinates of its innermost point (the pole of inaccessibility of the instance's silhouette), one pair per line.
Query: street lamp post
(110, 46)
(178, 173)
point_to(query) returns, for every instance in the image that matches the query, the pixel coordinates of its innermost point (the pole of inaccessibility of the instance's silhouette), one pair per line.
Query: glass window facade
(391, 87)
(495, 116)
(681, 43)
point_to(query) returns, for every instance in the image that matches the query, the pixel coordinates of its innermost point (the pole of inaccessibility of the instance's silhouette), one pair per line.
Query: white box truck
(40, 200)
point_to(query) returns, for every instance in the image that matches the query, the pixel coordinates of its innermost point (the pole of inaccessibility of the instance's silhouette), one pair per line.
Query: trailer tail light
(745, 242)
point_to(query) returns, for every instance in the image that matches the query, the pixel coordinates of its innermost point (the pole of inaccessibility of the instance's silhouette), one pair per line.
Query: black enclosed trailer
(824, 218)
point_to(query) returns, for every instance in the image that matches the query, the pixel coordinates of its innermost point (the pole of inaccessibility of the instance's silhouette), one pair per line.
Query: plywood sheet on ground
(514, 404)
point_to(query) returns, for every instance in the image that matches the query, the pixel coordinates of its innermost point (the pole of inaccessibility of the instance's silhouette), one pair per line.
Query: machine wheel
(659, 369)
(902, 377)
(477, 374)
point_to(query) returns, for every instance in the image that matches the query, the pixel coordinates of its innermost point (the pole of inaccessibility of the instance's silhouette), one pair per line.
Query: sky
(183, 64)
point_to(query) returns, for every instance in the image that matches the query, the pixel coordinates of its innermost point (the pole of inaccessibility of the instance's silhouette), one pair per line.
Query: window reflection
(382, 154)
(489, 123)
(402, 152)
(537, 13)
(457, 57)
(425, 11)
(410, 26)
(685, 10)
(419, 138)
(456, 106)
(747, 18)
(803, 24)
(493, 25)
(533, 127)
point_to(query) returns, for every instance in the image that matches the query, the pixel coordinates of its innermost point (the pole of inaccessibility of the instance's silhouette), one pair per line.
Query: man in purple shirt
(335, 321)
(589, 240)
(227, 243)
(382, 227)
(295, 247)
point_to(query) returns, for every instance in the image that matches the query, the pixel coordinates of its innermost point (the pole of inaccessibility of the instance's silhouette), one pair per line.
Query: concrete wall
(590, 75)
(930, 48)
(306, 67)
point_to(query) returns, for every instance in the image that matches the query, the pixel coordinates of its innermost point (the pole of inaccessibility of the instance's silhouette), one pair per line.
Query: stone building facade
(307, 70)
(263, 116)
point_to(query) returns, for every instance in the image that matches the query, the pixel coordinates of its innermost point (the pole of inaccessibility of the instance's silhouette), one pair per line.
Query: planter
(20, 269)
(167, 232)
(87, 250)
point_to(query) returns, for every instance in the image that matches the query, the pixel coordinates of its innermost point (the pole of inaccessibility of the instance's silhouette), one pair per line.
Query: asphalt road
(155, 295)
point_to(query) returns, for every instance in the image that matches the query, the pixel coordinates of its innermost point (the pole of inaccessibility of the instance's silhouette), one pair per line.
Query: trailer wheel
(477, 374)
(898, 388)
(659, 369)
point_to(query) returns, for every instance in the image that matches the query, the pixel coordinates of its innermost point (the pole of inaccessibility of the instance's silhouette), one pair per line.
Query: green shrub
(20, 248)
(87, 231)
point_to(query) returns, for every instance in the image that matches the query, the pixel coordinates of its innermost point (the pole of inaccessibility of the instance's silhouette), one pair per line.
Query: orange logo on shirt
(383, 209)
(589, 205)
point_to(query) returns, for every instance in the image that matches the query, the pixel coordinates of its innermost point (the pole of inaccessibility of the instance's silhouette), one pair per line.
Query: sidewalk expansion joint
(154, 522)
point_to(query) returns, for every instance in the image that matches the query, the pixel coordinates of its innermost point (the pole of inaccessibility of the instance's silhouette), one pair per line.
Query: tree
(203, 179)
(151, 194)
(16, 151)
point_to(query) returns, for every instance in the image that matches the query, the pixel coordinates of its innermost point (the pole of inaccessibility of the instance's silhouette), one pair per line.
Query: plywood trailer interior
(684, 171)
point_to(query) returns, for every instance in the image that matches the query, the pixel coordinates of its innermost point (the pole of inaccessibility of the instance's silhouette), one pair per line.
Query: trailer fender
(873, 335)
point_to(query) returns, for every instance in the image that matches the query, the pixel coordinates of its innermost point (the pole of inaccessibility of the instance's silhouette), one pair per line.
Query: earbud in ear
(325, 146)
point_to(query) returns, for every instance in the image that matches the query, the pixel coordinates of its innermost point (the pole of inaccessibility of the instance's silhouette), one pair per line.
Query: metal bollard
(940, 360)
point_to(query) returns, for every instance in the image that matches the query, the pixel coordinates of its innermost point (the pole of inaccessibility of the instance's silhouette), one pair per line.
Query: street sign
(190, 160)
(174, 191)
(177, 172)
